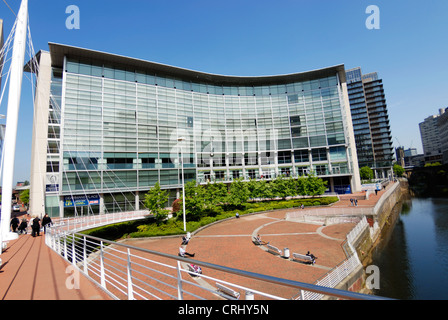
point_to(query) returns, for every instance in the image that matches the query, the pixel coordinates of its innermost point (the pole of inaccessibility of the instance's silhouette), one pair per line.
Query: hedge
(149, 228)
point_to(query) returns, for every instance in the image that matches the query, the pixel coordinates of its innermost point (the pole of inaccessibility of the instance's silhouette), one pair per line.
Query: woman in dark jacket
(35, 227)
(46, 220)
(23, 226)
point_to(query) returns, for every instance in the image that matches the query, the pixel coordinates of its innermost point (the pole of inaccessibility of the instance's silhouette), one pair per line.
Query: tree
(254, 189)
(398, 170)
(283, 187)
(301, 186)
(265, 189)
(195, 198)
(215, 194)
(155, 201)
(238, 193)
(315, 186)
(366, 173)
(24, 196)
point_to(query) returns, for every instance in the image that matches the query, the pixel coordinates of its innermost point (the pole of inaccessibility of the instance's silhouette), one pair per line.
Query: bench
(273, 249)
(302, 257)
(227, 292)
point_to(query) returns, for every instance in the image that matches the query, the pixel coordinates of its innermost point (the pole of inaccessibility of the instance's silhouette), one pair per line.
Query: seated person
(183, 253)
(197, 269)
(259, 241)
(313, 258)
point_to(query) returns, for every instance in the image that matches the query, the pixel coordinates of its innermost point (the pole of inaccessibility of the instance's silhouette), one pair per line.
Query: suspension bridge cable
(10, 8)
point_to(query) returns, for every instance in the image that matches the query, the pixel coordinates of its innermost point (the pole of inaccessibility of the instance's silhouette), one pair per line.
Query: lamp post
(182, 139)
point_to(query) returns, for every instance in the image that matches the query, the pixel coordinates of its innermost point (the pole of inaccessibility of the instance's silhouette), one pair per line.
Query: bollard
(249, 295)
(286, 253)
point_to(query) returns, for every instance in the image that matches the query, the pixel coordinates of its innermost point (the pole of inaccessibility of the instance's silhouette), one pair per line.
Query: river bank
(412, 255)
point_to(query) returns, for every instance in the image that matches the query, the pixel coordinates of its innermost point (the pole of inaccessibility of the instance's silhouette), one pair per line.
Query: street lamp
(182, 139)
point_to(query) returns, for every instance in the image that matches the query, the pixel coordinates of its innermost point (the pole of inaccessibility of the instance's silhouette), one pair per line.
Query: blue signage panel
(343, 189)
(81, 200)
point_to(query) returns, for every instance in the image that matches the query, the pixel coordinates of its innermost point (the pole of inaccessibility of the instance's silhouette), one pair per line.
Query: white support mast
(15, 88)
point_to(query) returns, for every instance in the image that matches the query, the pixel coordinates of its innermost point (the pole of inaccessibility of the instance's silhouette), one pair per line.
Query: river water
(413, 255)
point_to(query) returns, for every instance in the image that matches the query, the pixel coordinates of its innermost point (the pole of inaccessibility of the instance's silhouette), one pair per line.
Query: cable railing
(127, 272)
(91, 221)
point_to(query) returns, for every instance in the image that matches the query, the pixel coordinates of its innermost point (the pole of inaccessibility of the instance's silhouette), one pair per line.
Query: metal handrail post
(129, 269)
(73, 251)
(84, 253)
(180, 295)
(103, 279)
(57, 241)
(65, 248)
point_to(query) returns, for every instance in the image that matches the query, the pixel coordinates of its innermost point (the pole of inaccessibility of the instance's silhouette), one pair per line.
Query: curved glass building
(108, 127)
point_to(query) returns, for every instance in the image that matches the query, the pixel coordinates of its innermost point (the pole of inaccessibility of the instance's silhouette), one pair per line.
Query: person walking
(35, 227)
(23, 226)
(14, 224)
(46, 221)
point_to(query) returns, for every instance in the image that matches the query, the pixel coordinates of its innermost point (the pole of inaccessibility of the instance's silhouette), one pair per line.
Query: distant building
(412, 158)
(399, 154)
(431, 138)
(370, 121)
(415, 161)
(410, 152)
(409, 157)
(442, 124)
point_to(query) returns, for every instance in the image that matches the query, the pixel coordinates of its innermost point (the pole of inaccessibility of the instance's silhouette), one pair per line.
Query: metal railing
(333, 278)
(357, 230)
(332, 211)
(344, 269)
(91, 221)
(129, 272)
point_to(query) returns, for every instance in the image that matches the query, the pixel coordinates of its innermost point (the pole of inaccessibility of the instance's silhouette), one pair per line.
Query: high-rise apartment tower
(370, 121)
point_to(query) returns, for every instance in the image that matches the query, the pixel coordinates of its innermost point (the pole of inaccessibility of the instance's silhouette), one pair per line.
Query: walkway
(31, 271)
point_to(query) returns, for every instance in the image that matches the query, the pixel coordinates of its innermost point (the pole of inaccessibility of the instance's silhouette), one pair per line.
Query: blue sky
(252, 38)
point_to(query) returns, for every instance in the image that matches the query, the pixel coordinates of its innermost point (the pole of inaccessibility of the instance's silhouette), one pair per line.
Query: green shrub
(149, 228)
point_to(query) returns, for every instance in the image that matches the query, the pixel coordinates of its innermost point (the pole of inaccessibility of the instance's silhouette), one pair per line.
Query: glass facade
(116, 132)
(370, 121)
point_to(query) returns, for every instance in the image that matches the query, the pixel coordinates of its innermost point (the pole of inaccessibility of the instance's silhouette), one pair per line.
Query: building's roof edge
(58, 51)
